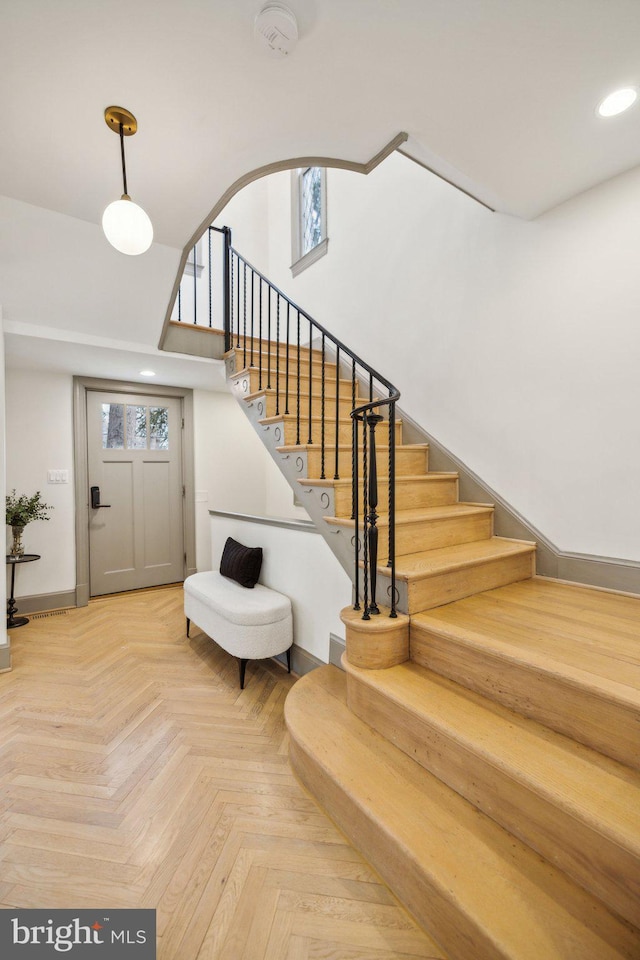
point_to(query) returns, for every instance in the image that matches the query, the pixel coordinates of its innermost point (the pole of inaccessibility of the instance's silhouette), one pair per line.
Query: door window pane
(159, 428)
(136, 428)
(113, 426)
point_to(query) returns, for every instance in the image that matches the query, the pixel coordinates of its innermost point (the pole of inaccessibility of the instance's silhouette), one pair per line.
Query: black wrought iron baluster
(286, 391)
(392, 505)
(180, 304)
(238, 302)
(354, 514)
(210, 278)
(226, 290)
(244, 321)
(298, 387)
(277, 354)
(354, 450)
(370, 387)
(253, 285)
(268, 337)
(353, 385)
(310, 380)
(260, 340)
(373, 419)
(336, 475)
(231, 282)
(365, 514)
(195, 287)
(322, 407)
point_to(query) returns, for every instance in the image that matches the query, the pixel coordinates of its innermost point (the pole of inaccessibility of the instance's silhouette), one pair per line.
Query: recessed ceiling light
(147, 373)
(617, 102)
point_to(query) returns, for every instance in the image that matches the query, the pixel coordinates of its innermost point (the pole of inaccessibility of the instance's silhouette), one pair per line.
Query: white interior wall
(123, 298)
(299, 564)
(516, 344)
(39, 429)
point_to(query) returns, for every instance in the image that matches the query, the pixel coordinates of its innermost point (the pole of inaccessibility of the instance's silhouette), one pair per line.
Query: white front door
(136, 536)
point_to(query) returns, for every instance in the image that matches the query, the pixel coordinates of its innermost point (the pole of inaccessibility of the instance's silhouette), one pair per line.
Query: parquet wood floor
(134, 772)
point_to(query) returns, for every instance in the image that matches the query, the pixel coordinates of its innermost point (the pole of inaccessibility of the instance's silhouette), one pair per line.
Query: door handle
(95, 499)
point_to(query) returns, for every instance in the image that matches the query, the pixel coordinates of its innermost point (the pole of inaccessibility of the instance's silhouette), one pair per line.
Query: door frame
(84, 385)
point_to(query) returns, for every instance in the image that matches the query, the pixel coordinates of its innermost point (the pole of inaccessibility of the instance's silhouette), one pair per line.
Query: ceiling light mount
(114, 116)
(126, 226)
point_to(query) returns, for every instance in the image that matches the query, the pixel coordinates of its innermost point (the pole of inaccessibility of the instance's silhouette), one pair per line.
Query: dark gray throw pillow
(241, 563)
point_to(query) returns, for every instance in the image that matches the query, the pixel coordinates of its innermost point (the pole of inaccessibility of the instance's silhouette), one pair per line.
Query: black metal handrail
(258, 317)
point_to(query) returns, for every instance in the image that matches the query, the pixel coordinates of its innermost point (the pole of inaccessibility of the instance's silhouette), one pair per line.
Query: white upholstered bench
(250, 624)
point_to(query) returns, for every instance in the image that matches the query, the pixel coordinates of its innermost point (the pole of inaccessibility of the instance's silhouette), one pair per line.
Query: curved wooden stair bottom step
(563, 654)
(541, 786)
(477, 889)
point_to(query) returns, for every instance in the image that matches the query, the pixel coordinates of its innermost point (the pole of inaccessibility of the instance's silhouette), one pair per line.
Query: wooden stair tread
(281, 370)
(475, 887)
(419, 514)
(316, 418)
(572, 606)
(272, 392)
(540, 785)
(490, 621)
(429, 563)
(317, 447)
(431, 477)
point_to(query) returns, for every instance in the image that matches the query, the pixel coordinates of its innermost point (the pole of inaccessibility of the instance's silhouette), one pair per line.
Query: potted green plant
(21, 511)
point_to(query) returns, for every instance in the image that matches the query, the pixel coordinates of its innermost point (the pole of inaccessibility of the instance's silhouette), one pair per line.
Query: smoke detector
(277, 29)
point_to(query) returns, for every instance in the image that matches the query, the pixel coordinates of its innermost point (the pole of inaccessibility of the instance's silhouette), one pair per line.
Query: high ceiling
(498, 93)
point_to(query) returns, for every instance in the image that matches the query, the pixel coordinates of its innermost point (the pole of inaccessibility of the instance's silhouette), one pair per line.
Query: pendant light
(126, 226)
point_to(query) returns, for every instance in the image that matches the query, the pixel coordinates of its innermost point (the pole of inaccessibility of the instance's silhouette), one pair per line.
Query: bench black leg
(188, 625)
(242, 664)
(289, 660)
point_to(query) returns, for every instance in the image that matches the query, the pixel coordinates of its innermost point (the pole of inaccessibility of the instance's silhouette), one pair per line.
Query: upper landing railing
(273, 336)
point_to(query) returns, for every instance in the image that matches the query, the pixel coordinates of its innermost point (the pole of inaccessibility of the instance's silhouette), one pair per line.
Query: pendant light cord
(124, 168)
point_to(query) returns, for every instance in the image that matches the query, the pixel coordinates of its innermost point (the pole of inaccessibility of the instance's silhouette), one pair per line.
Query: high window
(309, 217)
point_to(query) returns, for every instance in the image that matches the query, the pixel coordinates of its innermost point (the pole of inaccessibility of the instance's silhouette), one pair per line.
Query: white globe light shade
(127, 227)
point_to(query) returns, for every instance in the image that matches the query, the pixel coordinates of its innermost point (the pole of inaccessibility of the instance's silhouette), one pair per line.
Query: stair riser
(579, 713)
(409, 495)
(576, 846)
(345, 431)
(445, 587)
(250, 381)
(407, 462)
(432, 534)
(269, 349)
(269, 408)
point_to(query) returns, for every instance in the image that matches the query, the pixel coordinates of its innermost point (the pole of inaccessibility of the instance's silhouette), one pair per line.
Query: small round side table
(12, 620)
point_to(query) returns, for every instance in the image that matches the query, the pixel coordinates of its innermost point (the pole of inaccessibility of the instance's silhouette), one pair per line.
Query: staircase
(482, 745)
